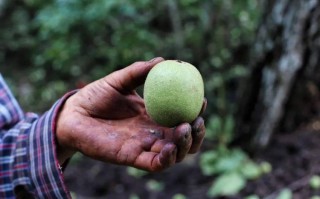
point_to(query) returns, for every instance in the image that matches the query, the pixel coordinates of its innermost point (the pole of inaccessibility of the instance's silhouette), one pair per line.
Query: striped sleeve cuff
(45, 176)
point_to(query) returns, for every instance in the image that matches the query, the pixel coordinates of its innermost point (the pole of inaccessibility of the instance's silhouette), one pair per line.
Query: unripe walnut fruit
(173, 93)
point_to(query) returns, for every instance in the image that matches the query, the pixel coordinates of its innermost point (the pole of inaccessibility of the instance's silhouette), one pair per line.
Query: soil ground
(294, 158)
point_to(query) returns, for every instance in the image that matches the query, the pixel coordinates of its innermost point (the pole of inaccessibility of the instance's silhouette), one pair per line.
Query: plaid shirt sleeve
(28, 160)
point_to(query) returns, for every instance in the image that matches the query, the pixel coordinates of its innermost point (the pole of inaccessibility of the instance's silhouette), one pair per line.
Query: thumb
(129, 78)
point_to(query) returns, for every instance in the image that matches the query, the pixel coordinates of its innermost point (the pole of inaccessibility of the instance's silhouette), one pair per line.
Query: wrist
(64, 148)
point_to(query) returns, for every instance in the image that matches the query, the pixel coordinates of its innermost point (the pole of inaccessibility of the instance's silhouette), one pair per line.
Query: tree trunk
(286, 60)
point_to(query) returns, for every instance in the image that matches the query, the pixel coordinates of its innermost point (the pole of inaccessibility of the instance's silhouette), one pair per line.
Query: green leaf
(215, 81)
(217, 62)
(285, 194)
(207, 161)
(214, 127)
(252, 197)
(230, 161)
(76, 159)
(251, 170)
(236, 72)
(266, 167)
(315, 182)
(134, 196)
(222, 160)
(227, 185)
(136, 172)
(179, 196)
(155, 186)
(73, 195)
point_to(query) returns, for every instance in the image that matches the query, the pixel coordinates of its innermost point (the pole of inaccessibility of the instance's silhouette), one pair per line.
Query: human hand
(107, 121)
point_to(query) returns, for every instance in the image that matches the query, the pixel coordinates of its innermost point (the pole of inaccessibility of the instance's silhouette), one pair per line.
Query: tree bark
(285, 56)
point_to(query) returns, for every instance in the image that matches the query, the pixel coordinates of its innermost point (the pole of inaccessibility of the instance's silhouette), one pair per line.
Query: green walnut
(173, 93)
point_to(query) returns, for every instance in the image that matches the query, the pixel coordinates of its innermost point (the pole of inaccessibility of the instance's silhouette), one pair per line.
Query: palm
(123, 125)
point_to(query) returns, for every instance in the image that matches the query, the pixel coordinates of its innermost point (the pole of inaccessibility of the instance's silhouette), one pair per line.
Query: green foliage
(285, 194)
(266, 167)
(227, 185)
(220, 128)
(315, 182)
(222, 161)
(233, 168)
(252, 197)
(228, 164)
(134, 196)
(251, 170)
(76, 158)
(64, 25)
(73, 195)
(47, 44)
(179, 196)
(154, 185)
(138, 173)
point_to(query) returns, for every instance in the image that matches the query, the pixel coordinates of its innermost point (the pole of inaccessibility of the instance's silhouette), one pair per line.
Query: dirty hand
(107, 121)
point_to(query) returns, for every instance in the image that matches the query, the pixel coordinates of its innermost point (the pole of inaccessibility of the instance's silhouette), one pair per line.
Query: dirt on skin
(294, 157)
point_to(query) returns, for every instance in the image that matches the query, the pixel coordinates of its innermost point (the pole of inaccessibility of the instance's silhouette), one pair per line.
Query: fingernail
(187, 132)
(197, 125)
(154, 59)
(204, 106)
(151, 60)
(187, 129)
(196, 128)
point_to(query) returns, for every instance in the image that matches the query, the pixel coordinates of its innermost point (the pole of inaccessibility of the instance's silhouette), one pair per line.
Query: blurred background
(259, 60)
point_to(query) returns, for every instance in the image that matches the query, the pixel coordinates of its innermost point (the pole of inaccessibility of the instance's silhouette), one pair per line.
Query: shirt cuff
(38, 143)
